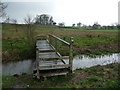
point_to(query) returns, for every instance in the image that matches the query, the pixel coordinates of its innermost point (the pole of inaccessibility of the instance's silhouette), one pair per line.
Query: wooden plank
(71, 54)
(41, 38)
(51, 59)
(54, 74)
(42, 51)
(54, 66)
(61, 40)
(60, 56)
(43, 45)
(48, 55)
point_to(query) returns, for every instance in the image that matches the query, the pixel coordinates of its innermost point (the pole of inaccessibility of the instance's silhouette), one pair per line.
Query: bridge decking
(48, 61)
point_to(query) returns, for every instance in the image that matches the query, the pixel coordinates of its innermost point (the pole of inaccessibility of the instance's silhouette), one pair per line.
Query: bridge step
(54, 66)
(52, 72)
(44, 51)
(55, 74)
(51, 59)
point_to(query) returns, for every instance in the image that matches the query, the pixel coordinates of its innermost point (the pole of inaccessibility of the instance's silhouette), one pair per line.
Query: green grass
(10, 27)
(45, 28)
(16, 44)
(95, 45)
(112, 30)
(98, 30)
(94, 77)
(86, 43)
(18, 50)
(13, 27)
(8, 81)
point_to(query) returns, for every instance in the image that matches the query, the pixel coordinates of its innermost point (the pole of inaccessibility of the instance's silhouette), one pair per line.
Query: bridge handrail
(61, 40)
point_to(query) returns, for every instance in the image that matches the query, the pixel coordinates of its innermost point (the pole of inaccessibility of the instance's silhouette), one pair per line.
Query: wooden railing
(57, 43)
(53, 40)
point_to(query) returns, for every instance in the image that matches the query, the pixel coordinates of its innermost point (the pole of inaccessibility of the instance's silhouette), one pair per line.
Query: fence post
(71, 54)
(47, 37)
(56, 45)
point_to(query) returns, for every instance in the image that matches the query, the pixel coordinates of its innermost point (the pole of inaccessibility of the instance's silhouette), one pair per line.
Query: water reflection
(86, 61)
(19, 67)
(80, 61)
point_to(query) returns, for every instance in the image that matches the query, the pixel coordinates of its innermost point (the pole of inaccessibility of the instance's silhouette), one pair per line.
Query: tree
(96, 25)
(7, 20)
(3, 6)
(79, 24)
(29, 32)
(44, 19)
(15, 22)
(73, 25)
(61, 24)
(28, 20)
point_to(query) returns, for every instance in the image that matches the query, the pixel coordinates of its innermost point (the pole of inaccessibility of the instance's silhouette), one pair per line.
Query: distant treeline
(91, 27)
(70, 27)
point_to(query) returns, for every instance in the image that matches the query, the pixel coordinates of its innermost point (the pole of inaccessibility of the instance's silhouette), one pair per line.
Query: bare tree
(29, 32)
(7, 19)
(15, 22)
(28, 20)
(3, 6)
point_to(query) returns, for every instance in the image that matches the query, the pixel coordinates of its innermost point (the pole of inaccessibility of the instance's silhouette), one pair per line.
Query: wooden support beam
(54, 74)
(54, 66)
(60, 56)
(42, 51)
(71, 54)
(41, 37)
(38, 73)
(51, 59)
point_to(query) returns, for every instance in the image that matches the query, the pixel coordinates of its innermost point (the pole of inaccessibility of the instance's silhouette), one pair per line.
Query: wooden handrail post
(56, 45)
(47, 37)
(71, 54)
(37, 64)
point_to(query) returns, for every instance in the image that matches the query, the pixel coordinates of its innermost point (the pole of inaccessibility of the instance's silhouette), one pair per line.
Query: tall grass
(19, 46)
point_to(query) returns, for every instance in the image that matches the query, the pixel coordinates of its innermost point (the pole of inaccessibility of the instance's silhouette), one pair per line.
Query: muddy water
(80, 61)
(85, 62)
(19, 67)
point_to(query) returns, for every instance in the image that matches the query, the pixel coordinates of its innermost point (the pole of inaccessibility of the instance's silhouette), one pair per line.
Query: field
(15, 47)
(94, 77)
(89, 42)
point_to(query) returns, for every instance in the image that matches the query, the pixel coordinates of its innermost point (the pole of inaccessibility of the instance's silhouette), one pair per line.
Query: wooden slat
(53, 74)
(42, 51)
(60, 56)
(54, 66)
(41, 37)
(51, 59)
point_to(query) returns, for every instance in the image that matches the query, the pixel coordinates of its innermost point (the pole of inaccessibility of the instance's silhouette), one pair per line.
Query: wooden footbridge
(49, 60)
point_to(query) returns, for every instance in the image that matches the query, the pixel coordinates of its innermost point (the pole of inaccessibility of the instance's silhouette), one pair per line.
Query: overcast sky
(68, 11)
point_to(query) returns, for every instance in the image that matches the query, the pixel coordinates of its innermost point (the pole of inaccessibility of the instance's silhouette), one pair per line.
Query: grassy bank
(85, 41)
(94, 77)
(22, 27)
(17, 45)
(16, 49)
(94, 44)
